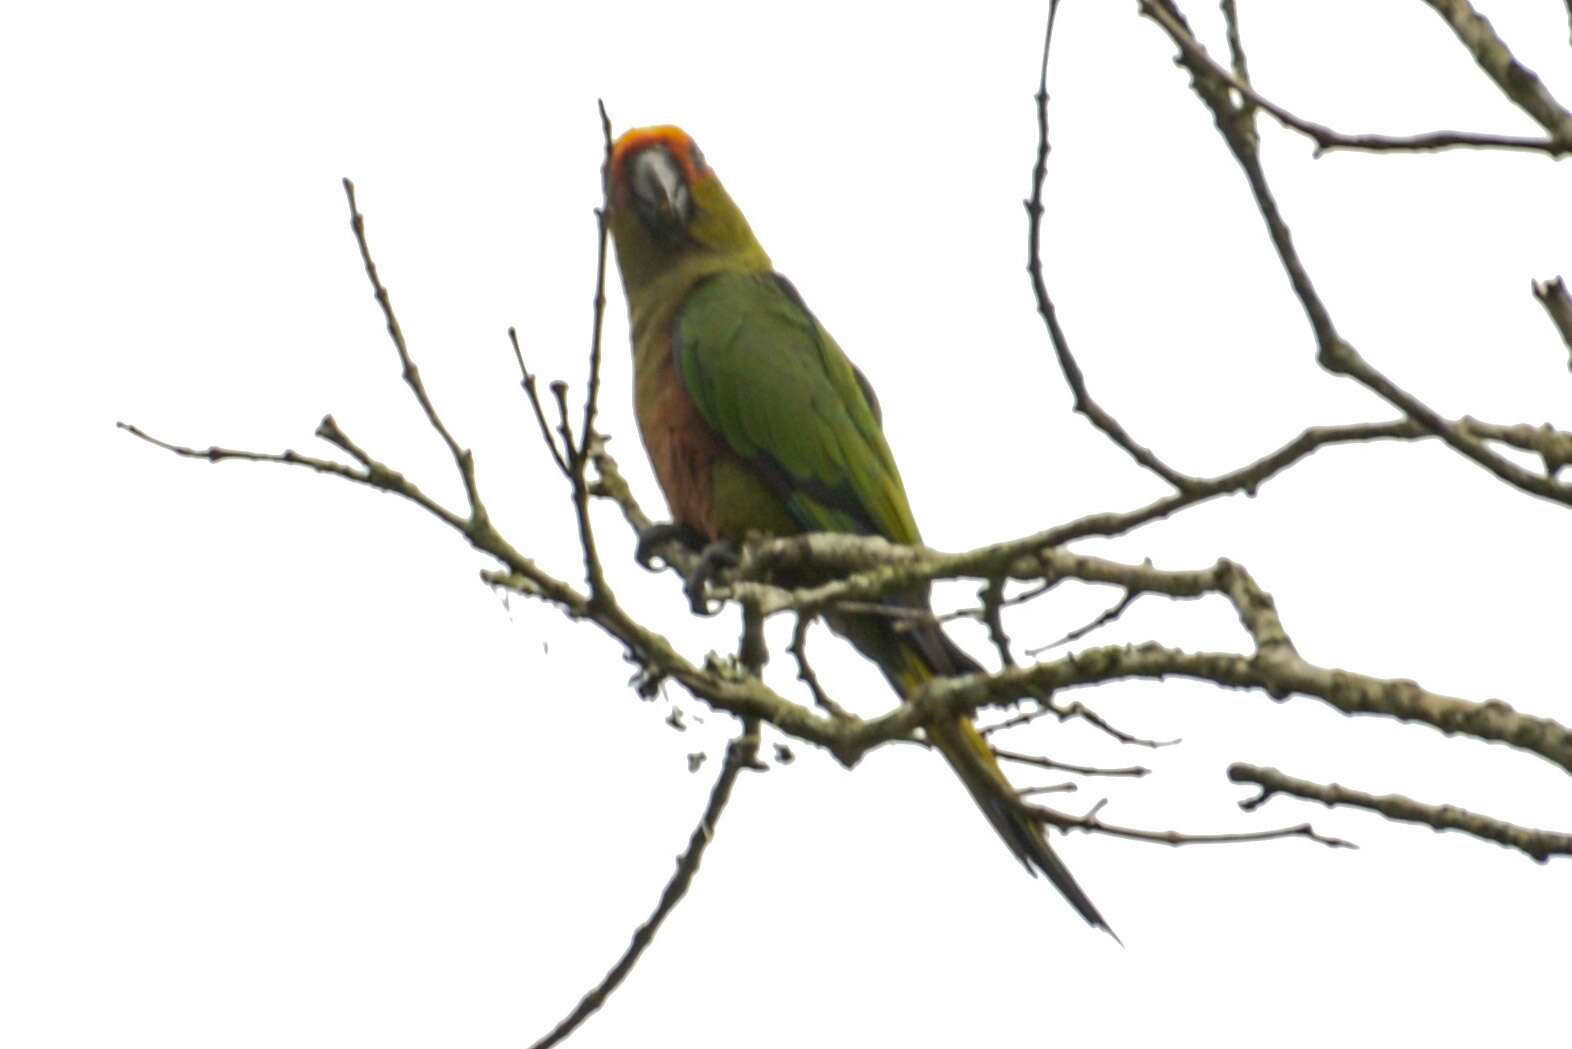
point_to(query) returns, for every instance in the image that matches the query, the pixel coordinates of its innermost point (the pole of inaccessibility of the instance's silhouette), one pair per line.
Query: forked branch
(856, 574)
(1540, 844)
(1215, 85)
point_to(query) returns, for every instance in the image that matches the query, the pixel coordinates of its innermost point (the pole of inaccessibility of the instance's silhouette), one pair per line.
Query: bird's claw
(658, 535)
(715, 558)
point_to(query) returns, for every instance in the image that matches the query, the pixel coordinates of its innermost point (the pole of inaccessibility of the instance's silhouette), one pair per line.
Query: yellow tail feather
(972, 759)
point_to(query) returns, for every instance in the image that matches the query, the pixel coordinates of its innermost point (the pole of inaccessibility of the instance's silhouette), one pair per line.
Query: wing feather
(777, 389)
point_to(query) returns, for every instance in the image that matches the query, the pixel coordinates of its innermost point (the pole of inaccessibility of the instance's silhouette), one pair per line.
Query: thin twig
(910, 618)
(1084, 403)
(1212, 84)
(373, 475)
(1038, 761)
(1042, 710)
(527, 382)
(592, 387)
(978, 613)
(1047, 788)
(559, 394)
(1093, 825)
(1107, 616)
(805, 673)
(741, 754)
(1236, 51)
(462, 458)
(579, 455)
(993, 617)
(1540, 844)
(1077, 709)
(1326, 139)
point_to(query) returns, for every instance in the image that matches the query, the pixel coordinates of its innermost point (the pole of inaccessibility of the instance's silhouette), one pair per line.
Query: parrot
(756, 422)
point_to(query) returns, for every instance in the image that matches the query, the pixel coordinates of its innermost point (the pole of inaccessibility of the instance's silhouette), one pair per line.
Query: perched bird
(755, 421)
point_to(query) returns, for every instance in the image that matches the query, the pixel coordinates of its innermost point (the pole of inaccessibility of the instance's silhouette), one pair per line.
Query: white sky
(275, 769)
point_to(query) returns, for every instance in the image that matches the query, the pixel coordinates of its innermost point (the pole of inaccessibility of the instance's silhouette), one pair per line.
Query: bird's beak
(659, 190)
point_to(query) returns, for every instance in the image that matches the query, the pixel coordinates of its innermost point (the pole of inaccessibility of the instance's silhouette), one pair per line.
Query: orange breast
(682, 448)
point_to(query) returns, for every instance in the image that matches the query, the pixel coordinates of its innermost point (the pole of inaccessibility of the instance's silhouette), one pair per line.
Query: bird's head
(668, 212)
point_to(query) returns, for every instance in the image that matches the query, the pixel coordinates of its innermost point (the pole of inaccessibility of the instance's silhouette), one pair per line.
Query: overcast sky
(276, 769)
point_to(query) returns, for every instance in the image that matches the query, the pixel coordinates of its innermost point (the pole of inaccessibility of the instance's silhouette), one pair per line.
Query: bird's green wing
(774, 386)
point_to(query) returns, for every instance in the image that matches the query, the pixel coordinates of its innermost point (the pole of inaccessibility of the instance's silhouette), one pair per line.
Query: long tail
(972, 760)
(915, 657)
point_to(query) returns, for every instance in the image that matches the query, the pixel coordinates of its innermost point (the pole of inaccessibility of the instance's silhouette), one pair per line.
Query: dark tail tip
(1026, 840)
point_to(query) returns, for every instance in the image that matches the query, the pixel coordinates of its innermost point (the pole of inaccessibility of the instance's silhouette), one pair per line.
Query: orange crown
(682, 148)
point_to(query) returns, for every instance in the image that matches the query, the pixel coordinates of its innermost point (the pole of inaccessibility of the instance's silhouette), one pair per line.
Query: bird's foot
(717, 557)
(658, 535)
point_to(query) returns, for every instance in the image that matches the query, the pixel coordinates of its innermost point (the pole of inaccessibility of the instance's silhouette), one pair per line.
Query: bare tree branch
(1026, 717)
(1519, 83)
(719, 686)
(1093, 825)
(1103, 619)
(742, 753)
(1275, 668)
(1236, 51)
(1553, 446)
(1084, 403)
(855, 573)
(752, 652)
(1326, 139)
(1038, 761)
(1074, 710)
(993, 619)
(1247, 479)
(372, 474)
(1280, 677)
(461, 456)
(1540, 844)
(1212, 84)
(1348, 361)
(1047, 788)
(592, 387)
(1077, 709)
(527, 382)
(1552, 295)
(805, 672)
(594, 574)
(610, 484)
(979, 613)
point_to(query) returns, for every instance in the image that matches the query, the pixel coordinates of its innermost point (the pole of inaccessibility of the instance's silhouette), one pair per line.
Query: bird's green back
(773, 385)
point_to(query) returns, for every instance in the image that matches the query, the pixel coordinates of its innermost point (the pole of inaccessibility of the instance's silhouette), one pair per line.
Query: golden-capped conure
(755, 421)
